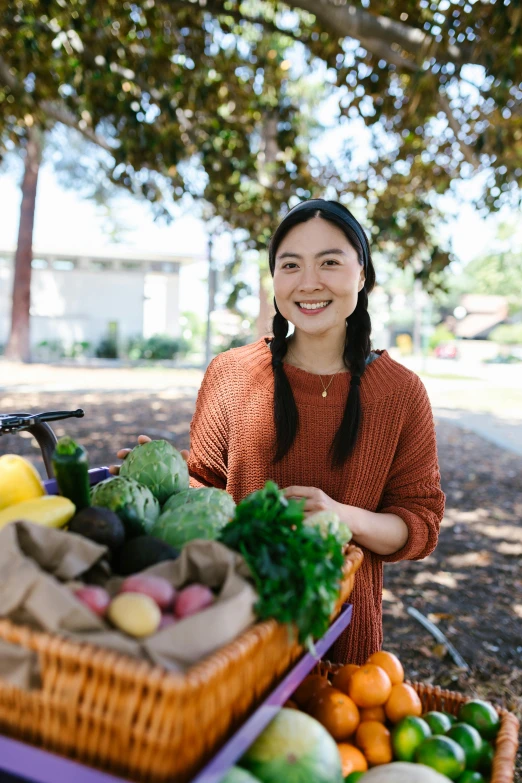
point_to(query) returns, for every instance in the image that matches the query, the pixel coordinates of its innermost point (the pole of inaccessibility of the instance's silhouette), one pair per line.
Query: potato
(135, 614)
(95, 598)
(156, 587)
(192, 599)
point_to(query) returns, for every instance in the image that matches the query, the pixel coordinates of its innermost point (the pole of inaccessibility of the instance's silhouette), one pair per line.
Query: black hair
(357, 344)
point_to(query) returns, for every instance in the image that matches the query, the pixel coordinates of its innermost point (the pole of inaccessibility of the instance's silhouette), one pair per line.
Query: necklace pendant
(325, 393)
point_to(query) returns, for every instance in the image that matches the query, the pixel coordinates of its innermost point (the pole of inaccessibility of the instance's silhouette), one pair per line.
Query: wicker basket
(132, 719)
(435, 698)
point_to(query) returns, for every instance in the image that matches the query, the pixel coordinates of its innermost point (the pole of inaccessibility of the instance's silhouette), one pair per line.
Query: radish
(95, 598)
(156, 587)
(192, 599)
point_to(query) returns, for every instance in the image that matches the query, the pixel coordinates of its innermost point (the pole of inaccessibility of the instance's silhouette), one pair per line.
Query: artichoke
(221, 503)
(135, 504)
(193, 520)
(329, 522)
(158, 466)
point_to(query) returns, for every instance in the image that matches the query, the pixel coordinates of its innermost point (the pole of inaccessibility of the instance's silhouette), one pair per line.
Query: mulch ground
(470, 587)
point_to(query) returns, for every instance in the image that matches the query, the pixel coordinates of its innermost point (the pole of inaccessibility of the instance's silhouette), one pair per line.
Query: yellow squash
(49, 511)
(19, 481)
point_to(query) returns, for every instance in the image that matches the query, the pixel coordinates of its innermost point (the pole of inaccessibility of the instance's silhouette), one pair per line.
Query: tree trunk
(267, 159)
(19, 345)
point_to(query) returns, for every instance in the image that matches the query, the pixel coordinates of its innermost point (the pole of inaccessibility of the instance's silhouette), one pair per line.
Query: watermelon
(294, 748)
(238, 775)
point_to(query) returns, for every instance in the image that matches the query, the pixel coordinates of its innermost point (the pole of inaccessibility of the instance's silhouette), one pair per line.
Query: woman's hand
(315, 499)
(122, 453)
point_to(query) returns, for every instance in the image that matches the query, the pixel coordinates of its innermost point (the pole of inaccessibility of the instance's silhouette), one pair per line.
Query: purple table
(38, 766)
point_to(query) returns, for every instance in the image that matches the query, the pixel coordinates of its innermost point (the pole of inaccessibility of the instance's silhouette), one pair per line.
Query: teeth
(306, 306)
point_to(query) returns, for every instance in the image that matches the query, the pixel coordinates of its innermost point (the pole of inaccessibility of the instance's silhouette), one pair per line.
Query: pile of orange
(357, 705)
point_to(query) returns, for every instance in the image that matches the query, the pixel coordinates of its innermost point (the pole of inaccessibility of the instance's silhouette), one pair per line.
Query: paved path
(503, 432)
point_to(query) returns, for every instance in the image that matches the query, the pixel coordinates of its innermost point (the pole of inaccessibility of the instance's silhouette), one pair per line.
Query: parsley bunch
(296, 569)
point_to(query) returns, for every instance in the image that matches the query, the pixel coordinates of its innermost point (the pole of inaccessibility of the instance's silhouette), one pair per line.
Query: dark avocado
(141, 552)
(100, 525)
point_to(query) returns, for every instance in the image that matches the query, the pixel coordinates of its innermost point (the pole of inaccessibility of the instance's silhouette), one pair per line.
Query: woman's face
(317, 277)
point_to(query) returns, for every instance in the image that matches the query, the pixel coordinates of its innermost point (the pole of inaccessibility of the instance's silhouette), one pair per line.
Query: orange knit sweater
(393, 468)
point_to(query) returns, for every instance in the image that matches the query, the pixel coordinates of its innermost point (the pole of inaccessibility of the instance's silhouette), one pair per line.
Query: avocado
(142, 552)
(100, 525)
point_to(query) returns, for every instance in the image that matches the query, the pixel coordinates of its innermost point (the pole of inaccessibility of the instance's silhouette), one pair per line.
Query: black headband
(337, 209)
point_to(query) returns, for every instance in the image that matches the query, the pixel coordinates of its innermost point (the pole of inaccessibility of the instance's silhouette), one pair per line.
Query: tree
(183, 88)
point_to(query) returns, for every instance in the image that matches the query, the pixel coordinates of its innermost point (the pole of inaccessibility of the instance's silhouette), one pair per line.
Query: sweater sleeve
(413, 490)
(208, 457)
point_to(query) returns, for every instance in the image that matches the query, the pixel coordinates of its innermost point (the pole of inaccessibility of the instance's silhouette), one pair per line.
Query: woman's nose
(310, 280)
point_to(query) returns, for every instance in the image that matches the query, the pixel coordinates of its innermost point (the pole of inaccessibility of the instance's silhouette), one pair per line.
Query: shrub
(441, 335)
(507, 334)
(157, 347)
(107, 348)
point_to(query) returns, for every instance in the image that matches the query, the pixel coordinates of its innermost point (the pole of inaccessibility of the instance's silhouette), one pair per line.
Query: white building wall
(78, 305)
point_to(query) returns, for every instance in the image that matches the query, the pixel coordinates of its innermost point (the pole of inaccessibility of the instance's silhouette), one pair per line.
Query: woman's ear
(362, 281)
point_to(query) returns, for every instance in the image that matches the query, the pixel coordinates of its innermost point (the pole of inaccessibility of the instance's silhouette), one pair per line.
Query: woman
(324, 416)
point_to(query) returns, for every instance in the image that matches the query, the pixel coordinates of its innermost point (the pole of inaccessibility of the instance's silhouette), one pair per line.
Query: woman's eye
(290, 265)
(331, 262)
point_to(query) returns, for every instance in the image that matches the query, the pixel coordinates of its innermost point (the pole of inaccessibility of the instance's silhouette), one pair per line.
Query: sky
(66, 221)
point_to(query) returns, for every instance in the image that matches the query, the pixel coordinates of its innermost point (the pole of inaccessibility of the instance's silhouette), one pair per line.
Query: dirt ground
(470, 587)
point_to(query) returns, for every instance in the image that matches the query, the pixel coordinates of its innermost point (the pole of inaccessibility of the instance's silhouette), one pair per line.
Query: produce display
(376, 721)
(359, 722)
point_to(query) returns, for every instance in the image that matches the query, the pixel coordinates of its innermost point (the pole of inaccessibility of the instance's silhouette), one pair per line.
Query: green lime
(353, 777)
(469, 740)
(451, 717)
(407, 735)
(442, 754)
(482, 716)
(469, 776)
(439, 722)
(486, 757)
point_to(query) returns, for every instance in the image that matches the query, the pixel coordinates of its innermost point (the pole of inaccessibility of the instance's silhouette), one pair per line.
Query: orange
(373, 713)
(309, 688)
(369, 686)
(403, 701)
(352, 760)
(342, 676)
(391, 665)
(337, 713)
(374, 739)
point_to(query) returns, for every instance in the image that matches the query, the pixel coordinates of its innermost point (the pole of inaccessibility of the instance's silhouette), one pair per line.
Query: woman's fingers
(185, 454)
(114, 469)
(143, 439)
(122, 453)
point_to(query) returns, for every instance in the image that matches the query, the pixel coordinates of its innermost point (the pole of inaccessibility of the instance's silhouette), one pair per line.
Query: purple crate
(95, 476)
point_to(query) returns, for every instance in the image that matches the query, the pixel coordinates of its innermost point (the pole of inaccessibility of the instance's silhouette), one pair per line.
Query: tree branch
(455, 127)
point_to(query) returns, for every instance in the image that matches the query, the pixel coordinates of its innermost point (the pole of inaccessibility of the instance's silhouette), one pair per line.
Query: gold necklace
(324, 393)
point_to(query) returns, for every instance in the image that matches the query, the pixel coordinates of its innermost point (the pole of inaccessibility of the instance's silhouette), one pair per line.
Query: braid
(285, 410)
(357, 348)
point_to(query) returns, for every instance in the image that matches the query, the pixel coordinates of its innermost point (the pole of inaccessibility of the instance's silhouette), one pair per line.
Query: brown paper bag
(40, 566)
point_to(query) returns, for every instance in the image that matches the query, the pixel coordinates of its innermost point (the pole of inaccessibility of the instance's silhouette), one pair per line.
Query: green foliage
(296, 569)
(107, 348)
(441, 335)
(507, 334)
(157, 347)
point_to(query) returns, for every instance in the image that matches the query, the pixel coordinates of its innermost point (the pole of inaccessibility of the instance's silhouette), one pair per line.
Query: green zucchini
(71, 468)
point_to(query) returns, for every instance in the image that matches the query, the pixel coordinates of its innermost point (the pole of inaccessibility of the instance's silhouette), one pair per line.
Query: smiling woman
(344, 427)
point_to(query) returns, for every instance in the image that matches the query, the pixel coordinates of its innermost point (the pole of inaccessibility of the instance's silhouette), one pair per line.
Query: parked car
(446, 350)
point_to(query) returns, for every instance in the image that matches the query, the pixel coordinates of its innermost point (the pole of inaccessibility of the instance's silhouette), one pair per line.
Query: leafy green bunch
(296, 569)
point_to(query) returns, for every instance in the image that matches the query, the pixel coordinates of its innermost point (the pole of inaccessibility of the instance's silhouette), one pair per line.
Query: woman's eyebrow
(333, 251)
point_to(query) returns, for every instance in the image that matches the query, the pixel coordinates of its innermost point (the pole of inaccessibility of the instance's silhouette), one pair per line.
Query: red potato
(192, 599)
(156, 587)
(95, 598)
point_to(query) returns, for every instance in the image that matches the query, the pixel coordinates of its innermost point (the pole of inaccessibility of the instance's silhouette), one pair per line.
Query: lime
(482, 716)
(469, 776)
(353, 777)
(469, 740)
(486, 757)
(451, 717)
(407, 735)
(439, 722)
(442, 754)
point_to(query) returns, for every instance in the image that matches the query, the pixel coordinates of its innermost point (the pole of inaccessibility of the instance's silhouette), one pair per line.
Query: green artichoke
(135, 504)
(221, 503)
(188, 522)
(158, 466)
